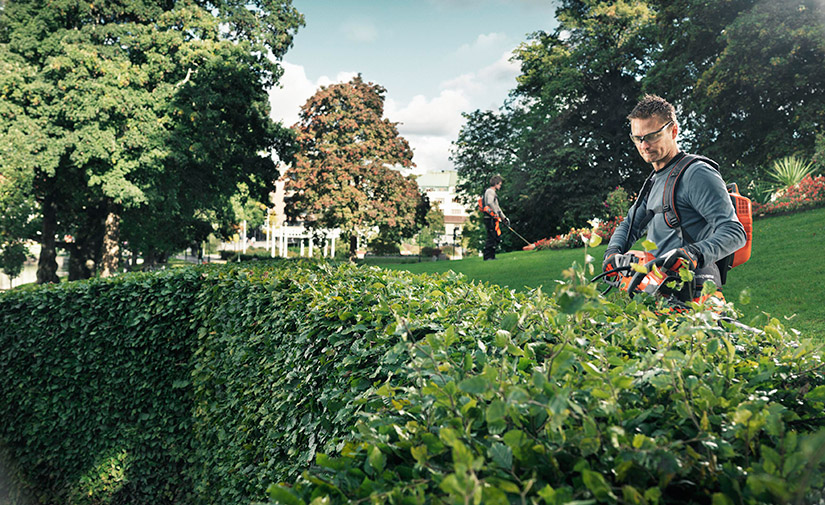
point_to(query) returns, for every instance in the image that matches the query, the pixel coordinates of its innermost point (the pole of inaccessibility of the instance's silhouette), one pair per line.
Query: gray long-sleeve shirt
(706, 213)
(491, 200)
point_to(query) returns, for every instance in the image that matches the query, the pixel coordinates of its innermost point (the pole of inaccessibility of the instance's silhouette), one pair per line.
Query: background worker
(492, 215)
(709, 228)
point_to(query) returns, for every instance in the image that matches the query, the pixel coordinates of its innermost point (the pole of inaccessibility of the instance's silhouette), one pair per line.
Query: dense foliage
(204, 385)
(346, 171)
(94, 390)
(745, 76)
(136, 120)
(570, 398)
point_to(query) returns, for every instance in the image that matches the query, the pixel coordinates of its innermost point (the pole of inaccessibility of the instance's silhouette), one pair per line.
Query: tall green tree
(18, 208)
(433, 227)
(561, 144)
(747, 75)
(488, 144)
(141, 113)
(346, 170)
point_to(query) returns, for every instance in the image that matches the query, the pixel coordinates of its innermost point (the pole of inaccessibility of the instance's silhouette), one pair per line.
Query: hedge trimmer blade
(640, 273)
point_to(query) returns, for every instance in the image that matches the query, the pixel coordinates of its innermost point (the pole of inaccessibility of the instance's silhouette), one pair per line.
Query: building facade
(440, 188)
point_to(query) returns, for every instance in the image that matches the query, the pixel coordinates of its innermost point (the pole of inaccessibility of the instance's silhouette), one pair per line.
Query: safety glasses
(650, 137)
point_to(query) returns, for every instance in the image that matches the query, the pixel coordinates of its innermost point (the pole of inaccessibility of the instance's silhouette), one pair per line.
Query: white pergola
(278, 239)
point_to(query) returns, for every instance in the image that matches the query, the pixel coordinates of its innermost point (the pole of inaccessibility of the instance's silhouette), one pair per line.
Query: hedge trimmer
(638, 272)
(641, 272)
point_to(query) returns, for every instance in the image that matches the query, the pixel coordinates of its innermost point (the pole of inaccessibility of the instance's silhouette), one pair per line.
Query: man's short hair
(652, 105)
(495, 180)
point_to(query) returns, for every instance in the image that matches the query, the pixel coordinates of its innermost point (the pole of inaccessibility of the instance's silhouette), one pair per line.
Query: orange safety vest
(485, 209)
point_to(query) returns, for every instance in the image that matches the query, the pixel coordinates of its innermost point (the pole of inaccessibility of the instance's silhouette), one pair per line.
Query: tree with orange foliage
(346, 171)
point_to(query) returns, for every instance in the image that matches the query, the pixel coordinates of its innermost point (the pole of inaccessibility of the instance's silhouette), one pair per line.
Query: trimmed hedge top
(204, 385)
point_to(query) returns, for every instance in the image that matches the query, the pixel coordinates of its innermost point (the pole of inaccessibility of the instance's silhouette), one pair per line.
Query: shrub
(617, 203)
(12, 257)
(807, 194)
(382, 245)
(574, 399)
(448, 250)
(430, 251)
(759, 191)
(93, 385)
(252, 253)
(819, 153)
(395, 386)
(789, 171)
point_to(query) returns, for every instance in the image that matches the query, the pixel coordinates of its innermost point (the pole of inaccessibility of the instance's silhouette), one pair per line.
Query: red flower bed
(808, 194)
(573, 238)
(607, 228)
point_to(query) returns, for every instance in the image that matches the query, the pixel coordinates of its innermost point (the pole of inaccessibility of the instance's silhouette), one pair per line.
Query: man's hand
(507, 221)
(687, 257)
(614, 260)
(609, 261)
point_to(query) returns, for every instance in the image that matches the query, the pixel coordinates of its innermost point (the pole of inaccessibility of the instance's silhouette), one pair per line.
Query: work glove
(687, 257)
(506, 221)
(614, 260)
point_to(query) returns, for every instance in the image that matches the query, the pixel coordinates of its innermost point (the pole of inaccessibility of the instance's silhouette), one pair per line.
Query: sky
(436, 59)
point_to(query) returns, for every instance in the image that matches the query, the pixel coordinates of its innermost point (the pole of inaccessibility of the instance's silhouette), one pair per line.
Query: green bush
(788, 171)
(360, 383)
(94, 406)
(428, 252)
(384, 245)
(576, 399)
(617, 203)
(252, 253)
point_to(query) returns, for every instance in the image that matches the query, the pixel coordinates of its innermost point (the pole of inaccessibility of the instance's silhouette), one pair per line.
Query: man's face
(655, 139)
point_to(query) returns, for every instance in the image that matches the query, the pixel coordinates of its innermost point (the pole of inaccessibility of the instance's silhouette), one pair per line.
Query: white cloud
(484, 43)
(430, 153)
(296, 88)
(359, 30)
(503, 70)
(440, 116)
(481, 86)
(430, 125)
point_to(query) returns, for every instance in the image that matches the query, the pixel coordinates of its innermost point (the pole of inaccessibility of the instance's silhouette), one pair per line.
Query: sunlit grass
(785, 277)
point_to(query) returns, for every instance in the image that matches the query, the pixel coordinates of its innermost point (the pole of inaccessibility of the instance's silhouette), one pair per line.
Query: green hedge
(575, 399)
(206, 384)
(93, 403)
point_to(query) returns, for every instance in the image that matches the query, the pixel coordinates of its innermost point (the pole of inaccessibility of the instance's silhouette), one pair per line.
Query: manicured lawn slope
(784, 278)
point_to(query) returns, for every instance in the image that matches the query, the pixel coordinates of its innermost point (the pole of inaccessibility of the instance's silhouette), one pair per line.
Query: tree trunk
(149, 260)
(84, 253)
(111, 242)
(353, 247)
(81, 262)
(47, 263)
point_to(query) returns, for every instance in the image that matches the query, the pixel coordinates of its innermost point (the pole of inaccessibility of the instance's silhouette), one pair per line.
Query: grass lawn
(520, 270)
(784, 278)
